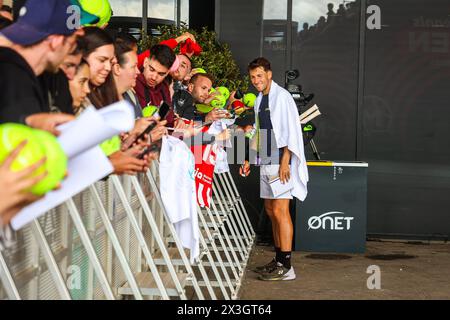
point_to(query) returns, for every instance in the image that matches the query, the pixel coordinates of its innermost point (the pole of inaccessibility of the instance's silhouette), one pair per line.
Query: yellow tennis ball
(203, 108)
(100, 8)
(219, 102)
(111, 146)
(149, 111)
(249, 100)
(198, 70)
(56, 163)
(11, 135)
(224, 91)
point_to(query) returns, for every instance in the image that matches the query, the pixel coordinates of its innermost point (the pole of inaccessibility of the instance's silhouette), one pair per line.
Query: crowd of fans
(50, 73)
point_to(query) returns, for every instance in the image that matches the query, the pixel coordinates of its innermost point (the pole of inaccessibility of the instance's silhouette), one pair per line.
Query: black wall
(385, 99)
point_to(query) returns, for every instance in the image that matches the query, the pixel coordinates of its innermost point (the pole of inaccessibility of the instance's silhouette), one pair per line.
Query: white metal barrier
(115, 241)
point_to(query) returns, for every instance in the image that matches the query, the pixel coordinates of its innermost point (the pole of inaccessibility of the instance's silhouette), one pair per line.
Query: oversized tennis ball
(203, 108)
(111, 146)
(100, 8)
(11, 135)
(219, 102)
(56, 163)
(149, 111)
(249, 100)
(238, 107)
(224, 91)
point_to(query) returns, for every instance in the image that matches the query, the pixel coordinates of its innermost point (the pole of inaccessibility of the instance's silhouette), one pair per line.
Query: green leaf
(216, 58)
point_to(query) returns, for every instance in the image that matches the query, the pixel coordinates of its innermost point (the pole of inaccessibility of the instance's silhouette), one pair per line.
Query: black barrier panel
(333, 216)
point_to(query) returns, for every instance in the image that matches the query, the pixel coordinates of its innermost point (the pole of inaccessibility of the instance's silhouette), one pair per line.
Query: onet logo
(327, 221)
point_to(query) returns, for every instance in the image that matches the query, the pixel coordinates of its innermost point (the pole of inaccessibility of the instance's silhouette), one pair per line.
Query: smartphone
(154, 147)
(146, 131)
(163, 110)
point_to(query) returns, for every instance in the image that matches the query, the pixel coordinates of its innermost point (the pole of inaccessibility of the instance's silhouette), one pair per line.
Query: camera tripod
(309, 128)
(302, 100)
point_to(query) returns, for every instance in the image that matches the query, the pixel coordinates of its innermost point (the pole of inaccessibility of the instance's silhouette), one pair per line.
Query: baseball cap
(40, 18)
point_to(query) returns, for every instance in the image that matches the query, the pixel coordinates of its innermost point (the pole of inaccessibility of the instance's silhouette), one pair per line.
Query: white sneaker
(280, 273)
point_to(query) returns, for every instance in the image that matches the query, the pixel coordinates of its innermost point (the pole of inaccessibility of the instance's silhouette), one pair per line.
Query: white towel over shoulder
(177, 186)
(288, 132)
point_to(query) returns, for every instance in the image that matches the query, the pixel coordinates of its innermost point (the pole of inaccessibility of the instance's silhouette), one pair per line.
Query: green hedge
(216, 58)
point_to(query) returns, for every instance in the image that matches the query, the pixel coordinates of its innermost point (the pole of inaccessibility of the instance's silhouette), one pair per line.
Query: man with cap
(56, 85)
(44, 34)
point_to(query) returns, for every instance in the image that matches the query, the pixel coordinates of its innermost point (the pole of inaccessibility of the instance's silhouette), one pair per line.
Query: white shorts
(267, 173)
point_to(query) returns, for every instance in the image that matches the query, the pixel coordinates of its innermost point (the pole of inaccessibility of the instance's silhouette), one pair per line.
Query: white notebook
(87, 163)
(279, 188)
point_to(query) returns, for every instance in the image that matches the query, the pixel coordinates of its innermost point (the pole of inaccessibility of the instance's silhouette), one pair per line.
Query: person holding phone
(151, 89)
(99, 53)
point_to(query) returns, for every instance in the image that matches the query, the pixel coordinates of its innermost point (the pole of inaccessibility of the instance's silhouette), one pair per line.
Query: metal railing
(115, 241)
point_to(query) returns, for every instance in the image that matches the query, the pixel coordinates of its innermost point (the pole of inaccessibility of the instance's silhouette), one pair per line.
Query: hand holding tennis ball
(40, 144)
(224, 92)
(219, 102)
(149, 111)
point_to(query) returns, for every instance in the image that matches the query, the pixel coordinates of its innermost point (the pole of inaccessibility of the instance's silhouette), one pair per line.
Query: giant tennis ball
(219, 102)
(149, 111)
(56, 163)
(224, 91)
(203, 108)
(11, 135)
(99, 8)
(249, 100)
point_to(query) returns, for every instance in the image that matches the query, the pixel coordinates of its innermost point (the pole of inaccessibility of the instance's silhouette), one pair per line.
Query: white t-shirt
(177, 186)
